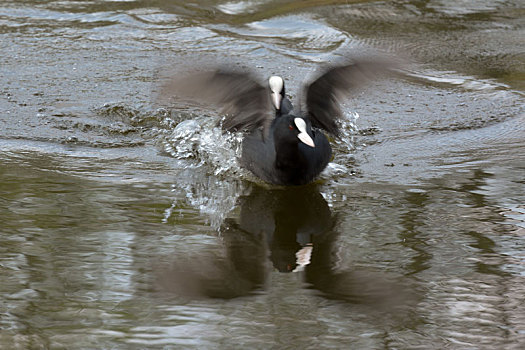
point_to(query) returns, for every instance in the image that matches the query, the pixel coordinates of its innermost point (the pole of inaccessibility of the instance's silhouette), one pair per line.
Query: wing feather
(323, 92)
(243, 101)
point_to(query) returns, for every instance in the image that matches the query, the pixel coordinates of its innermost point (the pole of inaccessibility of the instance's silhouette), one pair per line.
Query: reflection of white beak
(276, 100)
(303, 135)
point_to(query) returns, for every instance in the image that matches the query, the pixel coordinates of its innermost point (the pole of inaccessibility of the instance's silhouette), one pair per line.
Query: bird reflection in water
(286, 221)
(289, 229)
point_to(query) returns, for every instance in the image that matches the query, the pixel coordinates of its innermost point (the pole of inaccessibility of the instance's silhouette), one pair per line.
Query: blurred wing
(322, 94)
(243, 101)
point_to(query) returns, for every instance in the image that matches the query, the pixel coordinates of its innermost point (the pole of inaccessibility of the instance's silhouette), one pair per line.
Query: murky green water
(126, 222)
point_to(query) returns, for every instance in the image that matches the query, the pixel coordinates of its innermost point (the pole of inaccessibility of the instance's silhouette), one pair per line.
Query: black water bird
(286, 147)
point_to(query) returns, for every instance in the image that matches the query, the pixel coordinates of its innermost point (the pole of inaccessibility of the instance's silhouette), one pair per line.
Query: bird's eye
(290, 127)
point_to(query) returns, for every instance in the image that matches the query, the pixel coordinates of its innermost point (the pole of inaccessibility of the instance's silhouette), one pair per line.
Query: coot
(282, 145)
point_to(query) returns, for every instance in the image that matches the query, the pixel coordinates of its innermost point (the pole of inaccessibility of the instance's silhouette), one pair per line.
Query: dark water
(127, 223)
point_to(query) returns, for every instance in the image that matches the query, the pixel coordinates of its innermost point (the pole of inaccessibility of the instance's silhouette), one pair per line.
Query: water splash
(343, 148)
(207, 145)
(210, 181)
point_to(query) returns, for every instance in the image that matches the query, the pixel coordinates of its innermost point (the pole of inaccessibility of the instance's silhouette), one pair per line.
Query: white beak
(303, 135)
(276, 100)
(276, 84)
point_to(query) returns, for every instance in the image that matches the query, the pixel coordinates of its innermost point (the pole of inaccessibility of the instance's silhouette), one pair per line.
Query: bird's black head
(289, 129)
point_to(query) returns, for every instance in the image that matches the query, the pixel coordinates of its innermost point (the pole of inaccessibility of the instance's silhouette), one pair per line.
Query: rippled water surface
(126, 221)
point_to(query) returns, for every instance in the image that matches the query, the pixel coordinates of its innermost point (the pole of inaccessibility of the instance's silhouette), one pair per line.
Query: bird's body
(283, 160)
(286, 147)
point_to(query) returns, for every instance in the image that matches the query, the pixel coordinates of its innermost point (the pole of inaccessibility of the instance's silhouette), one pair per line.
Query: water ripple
(239, 7)
(293, 35)
(472, 310)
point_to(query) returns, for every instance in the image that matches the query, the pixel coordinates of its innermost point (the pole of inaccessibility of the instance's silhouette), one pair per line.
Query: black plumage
(284, 147)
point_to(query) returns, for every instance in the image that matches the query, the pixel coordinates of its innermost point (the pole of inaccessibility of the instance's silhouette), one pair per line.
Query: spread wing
(244, 102)
(323, 92)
